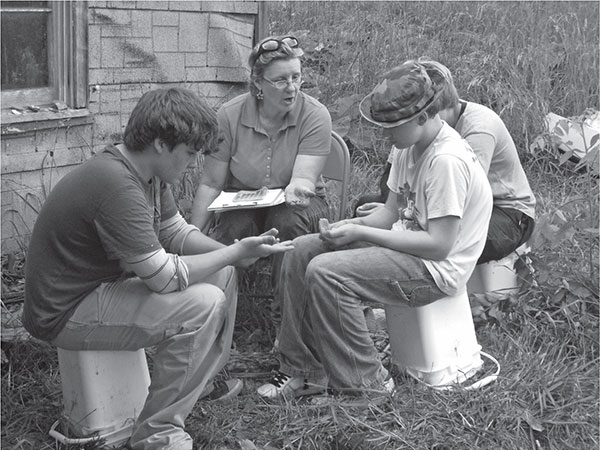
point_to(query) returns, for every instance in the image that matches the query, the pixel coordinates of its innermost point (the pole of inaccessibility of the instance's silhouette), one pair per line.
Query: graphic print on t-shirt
(410, 213)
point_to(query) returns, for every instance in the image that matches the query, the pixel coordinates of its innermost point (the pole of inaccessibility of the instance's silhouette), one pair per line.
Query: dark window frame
(68, 60)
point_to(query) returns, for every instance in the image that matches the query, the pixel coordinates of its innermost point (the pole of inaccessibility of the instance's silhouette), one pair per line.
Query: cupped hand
(298, 195)
(338, 234)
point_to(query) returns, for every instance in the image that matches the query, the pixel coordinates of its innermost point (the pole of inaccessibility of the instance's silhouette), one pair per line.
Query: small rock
(375, 318)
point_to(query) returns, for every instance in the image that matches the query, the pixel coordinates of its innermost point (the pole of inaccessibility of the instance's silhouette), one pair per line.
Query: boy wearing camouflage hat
(513, 214)
(422, 246)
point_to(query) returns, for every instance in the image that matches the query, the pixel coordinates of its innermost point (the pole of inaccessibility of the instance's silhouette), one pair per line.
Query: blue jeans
(191, 329)
(508, 229)
(324, 332)
(291, 223)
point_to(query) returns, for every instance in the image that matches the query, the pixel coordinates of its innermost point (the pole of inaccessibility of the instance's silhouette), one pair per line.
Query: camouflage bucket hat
(405, 92)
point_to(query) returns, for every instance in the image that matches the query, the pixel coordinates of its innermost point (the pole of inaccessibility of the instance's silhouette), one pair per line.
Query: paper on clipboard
(260, 198)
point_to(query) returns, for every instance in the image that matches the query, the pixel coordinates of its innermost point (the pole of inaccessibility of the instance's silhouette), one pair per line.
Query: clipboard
(260, 198)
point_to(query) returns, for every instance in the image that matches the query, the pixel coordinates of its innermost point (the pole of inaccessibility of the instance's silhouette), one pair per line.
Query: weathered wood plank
(38, 160)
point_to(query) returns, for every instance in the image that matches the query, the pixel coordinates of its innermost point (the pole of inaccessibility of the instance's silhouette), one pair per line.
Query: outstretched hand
(256, 247)
(298, 195)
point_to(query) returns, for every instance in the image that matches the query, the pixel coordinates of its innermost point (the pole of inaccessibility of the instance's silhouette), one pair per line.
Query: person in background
(513, 216)
(421, 246)
(112, 265)
(274, 136)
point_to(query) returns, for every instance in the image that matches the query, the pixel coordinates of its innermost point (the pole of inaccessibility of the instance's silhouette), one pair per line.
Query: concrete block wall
(133, 47)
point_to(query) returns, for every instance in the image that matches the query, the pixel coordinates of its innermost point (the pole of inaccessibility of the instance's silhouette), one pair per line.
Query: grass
(524, 59)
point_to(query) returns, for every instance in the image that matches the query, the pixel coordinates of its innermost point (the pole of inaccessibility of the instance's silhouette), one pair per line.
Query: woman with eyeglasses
(274, 136)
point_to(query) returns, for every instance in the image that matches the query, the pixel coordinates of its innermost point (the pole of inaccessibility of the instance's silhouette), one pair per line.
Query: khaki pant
(192, 331)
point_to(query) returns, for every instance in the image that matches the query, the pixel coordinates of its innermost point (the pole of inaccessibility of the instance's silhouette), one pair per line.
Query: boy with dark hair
(513, 214)
(112, 265)
(420, 247)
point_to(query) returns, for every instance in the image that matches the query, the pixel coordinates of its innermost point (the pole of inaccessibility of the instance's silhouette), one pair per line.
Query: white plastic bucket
(103, 393)
(494, 276)
(435, 343)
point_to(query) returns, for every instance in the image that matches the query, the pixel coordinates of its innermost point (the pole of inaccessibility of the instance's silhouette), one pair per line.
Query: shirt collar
(249, 116)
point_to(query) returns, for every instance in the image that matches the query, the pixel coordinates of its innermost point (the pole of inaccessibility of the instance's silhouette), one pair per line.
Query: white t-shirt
(447, 180)
(491, 141)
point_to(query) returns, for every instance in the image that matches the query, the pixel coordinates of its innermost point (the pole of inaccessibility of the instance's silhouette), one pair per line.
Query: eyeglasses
(296, 80)
(272, 45)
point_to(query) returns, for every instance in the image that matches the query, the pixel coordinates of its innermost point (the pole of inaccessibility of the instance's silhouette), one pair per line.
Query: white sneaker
(389, 385)
(285, 385)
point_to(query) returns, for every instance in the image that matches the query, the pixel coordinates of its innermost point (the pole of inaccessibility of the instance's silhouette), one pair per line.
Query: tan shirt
(491, 141)
(255, 160)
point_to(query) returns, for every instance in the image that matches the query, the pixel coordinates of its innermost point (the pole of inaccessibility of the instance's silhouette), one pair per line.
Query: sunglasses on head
(272, 45)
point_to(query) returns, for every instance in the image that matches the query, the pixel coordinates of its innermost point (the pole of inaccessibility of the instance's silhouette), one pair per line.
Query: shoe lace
(279, 379)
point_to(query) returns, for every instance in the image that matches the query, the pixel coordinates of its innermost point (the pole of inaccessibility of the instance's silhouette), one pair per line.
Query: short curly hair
(440, 76)
(258, 65)
(175, 115)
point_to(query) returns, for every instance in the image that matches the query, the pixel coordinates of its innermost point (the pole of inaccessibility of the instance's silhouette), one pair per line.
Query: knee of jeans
(317, 268)
(308, 243)
(206, 299)
(306, 248)
(300, 242)
(229, 274)
(292, 229)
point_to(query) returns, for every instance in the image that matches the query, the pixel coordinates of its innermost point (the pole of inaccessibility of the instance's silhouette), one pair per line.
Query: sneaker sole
(234, 387)
(308, 392)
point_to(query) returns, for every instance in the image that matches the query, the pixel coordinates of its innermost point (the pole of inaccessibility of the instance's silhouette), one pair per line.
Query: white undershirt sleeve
(173, 233)
(162, 272)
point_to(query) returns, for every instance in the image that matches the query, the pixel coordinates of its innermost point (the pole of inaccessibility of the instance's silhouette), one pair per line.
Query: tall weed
(522, 59)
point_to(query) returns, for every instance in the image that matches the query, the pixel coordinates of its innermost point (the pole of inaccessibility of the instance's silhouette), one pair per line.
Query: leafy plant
(572, 145)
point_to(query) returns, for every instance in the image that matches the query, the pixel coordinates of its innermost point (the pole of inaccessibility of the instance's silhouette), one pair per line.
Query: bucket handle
(478, 384)
(57, 435)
